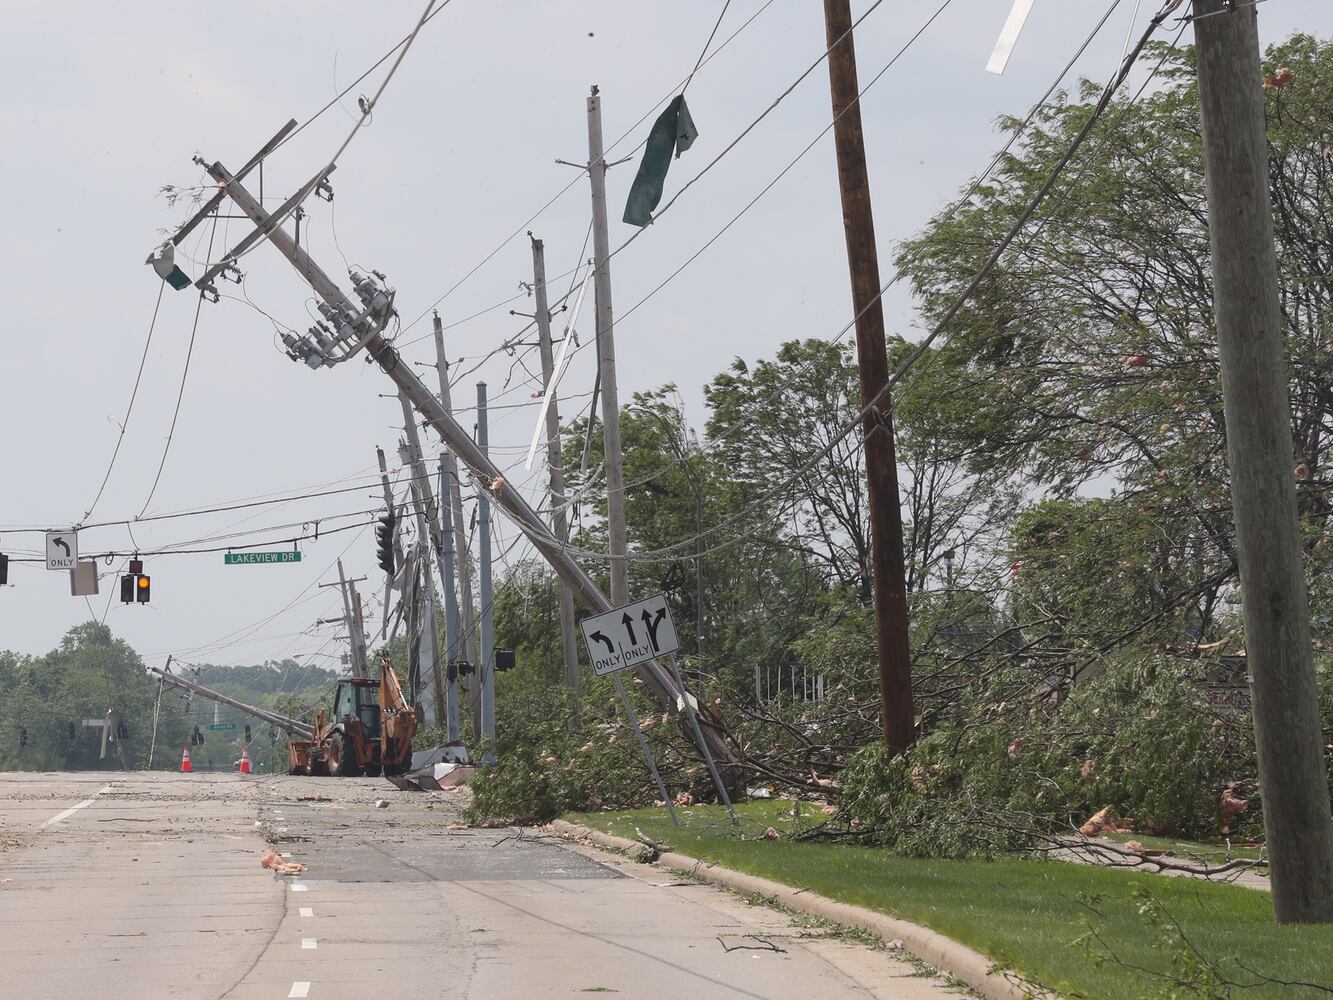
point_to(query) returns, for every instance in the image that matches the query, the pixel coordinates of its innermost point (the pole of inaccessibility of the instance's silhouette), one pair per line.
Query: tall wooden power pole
(463, 552)
(886, 528)
(617, 544)
(1259, 451)
(555, 464)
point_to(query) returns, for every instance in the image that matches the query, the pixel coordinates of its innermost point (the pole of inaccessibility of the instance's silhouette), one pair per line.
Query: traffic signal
(135, 587)
(4, 569)
(504, 660)
(23, 737)
(73, 732)
(384, 539)
(247, 732)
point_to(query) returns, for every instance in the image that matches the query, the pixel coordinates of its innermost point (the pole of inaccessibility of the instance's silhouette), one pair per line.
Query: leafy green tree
(1089, 354)
(50, 696)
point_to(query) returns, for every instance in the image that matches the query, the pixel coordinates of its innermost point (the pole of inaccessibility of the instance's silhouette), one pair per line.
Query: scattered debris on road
(280, 867)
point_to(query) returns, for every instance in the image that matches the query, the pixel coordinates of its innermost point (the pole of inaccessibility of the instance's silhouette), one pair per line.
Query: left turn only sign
(62, 549)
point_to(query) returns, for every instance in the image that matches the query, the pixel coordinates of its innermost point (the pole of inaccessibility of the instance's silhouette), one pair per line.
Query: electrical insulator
(293, 346)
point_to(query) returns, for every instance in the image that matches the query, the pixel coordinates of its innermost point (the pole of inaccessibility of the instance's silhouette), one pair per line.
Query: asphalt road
(148, 886)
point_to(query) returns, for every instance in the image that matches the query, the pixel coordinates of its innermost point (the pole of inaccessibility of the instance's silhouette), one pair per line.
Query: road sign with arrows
(62, 549)
(628, 636)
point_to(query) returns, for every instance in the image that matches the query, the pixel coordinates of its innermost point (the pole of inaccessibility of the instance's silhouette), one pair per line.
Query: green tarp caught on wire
(672, 133)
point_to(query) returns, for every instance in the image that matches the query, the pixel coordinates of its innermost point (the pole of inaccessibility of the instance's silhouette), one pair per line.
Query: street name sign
(630, 635)
(259, 558)
(62, 549)
(221, 727)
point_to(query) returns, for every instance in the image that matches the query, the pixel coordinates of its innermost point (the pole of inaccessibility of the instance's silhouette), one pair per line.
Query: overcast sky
(106, 103)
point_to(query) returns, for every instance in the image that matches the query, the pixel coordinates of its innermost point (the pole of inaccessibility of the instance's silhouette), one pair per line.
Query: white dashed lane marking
(299, 887)
(309, 944)
(307, 911)
(75, 808)
(299, 990)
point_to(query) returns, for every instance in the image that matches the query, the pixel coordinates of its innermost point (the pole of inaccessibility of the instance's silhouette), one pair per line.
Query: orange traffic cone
(185, 760)
(245, 759)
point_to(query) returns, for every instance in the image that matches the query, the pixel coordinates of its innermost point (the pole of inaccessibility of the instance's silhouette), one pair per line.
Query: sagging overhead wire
(129, 409)
(367, 106)
(522, 227)
(180, 394)
(953, 209)
(766, 500)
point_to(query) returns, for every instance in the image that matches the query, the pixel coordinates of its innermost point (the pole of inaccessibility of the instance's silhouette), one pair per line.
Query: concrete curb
(957, 960)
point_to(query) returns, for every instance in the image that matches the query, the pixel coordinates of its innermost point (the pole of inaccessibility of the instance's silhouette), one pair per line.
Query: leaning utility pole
(462, 550)
(359, 621)
(555, 463)
(886, 527)
(453, 640)
(348, 329)
(353, 619)
(617, 546)
(486, 665)
(397, 546)
(1287, 730)
(424, 502)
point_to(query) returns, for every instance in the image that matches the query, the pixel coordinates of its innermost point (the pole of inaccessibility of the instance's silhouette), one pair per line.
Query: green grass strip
(1031, 916)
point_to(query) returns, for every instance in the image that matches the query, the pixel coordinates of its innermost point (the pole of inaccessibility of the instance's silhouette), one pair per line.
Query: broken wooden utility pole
(348, 329)
(445, 694)
(397, 545)
(1279, 654)
(886, 527)
(462, 550)
(617, 544)
(556, 466)
(352, 617)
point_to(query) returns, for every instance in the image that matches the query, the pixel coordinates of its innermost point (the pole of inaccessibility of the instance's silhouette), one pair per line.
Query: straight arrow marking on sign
(613, 639)
(651, 624)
